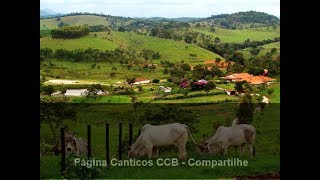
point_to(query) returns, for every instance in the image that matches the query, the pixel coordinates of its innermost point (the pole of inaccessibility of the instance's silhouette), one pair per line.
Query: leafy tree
(53, 115)
(254, 51)
(238, 57)
(188, 39)
(155, 81)
(198, 25)
(216, 40)
(211, 85)
(238, 86)
(245, 109)
(218, 60)
(121, 29)
(270, 91)
(48, 90)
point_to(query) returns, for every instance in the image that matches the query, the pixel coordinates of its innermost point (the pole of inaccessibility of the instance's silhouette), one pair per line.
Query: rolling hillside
(168, 49)
(241, 20)
(227, 35)
(264, 49)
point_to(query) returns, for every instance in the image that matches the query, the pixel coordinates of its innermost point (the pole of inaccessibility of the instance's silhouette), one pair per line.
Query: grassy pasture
(267, 144)
(169, 50)
(228, 36)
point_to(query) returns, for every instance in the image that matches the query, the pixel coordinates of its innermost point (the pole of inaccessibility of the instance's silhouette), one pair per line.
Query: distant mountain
(48, 13)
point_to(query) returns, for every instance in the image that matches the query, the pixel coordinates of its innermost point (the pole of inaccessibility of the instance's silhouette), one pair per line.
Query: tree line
(123, 56)
(70, 32)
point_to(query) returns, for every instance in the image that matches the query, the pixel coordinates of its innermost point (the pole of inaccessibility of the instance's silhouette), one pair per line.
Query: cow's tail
(191, 135)
(254, 151)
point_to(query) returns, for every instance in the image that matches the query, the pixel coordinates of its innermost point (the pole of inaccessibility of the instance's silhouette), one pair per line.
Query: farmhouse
(76, 92)
(254, 80)
(165, 89)
(138, 81)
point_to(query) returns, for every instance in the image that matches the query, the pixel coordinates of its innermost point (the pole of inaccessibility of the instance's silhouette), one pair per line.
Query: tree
(121, 29)
(245, 109)
(211, 85)
(216, 40)
(48, 90)
(254, 51)
(198, 25)
(238, 57)
(273, 50)
(188, 39)
(53, 115)
(238, 86)
(130, 81)
(218, 60)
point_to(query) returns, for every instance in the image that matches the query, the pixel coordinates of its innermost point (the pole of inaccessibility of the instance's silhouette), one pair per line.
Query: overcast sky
(162, 8)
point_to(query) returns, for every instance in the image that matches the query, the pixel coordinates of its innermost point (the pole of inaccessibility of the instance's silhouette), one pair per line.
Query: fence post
(130, 134)
(107, 145)
(120, 141)
(63, 151)
(89, 140)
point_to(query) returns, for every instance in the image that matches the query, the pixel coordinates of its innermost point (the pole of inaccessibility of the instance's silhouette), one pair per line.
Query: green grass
(228, 36)
(82, 71)
(265, 48)
(267, 144)
(169, 50)
(73, 21)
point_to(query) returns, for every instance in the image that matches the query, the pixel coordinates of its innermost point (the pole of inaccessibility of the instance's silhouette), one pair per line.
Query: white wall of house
(142, 82)
(75, 92)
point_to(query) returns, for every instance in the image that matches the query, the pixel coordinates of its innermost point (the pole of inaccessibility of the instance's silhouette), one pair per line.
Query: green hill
(242, 20)
(168, 49)
(228, 35)
(264, 49)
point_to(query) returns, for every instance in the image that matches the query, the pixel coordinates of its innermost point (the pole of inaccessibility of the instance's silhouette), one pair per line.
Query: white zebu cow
(157, 136)
(235, 135)
(74, 145)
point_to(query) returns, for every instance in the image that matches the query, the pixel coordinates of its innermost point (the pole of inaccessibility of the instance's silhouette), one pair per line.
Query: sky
(162, 8)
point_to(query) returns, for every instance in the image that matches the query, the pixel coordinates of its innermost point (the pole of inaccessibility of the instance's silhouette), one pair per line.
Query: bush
(270, 91)
(48, 90)
(155, 81)
(70, 32)
(82, 172)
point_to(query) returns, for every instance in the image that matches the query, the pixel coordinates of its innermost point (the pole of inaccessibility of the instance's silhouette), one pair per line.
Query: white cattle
(157, 136)
(74, 145)
(236, 135)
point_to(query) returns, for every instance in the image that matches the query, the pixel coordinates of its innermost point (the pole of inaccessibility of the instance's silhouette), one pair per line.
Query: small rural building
(165, 89)
(230, 92)
(254, 80)
(138, 81)
(76, 92)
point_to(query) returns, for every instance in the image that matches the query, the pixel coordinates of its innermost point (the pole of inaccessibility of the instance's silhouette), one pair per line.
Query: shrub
(70, 32)
(270, 91)
(82, 172)
(48, 90)
(156, 81)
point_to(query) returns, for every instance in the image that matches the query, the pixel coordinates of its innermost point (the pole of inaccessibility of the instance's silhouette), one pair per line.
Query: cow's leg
(241, 149)
(149, 150)
(157, 152)
(251, 150)
(182, 153)
(225, 150)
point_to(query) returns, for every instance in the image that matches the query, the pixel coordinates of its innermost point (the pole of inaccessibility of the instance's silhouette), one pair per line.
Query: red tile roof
(249, 78)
